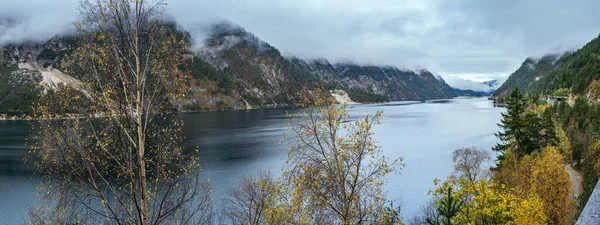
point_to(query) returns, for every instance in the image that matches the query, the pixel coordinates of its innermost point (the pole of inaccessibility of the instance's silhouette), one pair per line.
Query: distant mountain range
(236, 70)
(492, 84)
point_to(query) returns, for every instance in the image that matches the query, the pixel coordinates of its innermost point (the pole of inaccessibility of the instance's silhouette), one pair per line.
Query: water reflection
(236, 143)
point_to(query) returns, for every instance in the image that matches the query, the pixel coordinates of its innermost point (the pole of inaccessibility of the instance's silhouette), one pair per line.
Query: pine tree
(512, 124)
(532, 138)
(548, 136)
(449, 207)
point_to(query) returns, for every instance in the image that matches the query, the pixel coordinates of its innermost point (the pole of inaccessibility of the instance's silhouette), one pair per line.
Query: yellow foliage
(336, 170)
(594, 90)
(593, 154)
(515, 174)
(535, 189)
(486, 202)
(550, 180)
(530, 212)
(564, 144)
(541, 176)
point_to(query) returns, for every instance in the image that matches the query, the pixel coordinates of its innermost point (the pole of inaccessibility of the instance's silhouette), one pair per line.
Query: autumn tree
(564, 144)
(335, 170)
(459, 201)
(593, 156)
(470, 199)
(120, 160)
(334, 173)
(515, 173)
(542, 176)
(550, 181)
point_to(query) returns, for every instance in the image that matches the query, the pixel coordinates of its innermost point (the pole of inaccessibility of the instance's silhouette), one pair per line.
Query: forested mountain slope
(575, 71)
(531, 74)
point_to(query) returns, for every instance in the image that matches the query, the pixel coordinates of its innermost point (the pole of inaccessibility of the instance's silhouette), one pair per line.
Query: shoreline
(4, 117)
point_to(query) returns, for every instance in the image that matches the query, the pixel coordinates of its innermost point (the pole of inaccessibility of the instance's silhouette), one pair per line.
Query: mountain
(532, 73)
(389, 81)
(261, 77)
(469, 92)
(491, 84)
(234, 69)
(575, 71)
(24, 66)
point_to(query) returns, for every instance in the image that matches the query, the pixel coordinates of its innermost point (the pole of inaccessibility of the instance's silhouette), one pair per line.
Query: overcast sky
(458, 39)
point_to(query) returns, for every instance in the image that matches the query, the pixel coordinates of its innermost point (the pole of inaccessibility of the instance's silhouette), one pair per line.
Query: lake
(237, 143)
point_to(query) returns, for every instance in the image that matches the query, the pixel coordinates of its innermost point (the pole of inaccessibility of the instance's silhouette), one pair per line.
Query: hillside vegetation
(574, 71)
(577, 71)
(18, 90)
(531, 74)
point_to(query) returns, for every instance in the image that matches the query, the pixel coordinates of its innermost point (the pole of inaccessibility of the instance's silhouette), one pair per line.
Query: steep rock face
(395, 83)
(39, 55)
(390, 81)
(322, 70)
(262, 76)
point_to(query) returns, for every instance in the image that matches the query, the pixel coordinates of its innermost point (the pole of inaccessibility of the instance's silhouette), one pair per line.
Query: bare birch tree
(121, 160)
(334, 173)
(253, 202)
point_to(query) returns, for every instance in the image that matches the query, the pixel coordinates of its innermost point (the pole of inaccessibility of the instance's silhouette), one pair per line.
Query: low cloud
(35, 20)
(475, 82)
(13, 31)
(453, 38)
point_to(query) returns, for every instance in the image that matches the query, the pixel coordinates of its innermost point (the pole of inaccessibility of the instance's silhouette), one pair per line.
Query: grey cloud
(468, 39)
(35, 20)
(474, 82)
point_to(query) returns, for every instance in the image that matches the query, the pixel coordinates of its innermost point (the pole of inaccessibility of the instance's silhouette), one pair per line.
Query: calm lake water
(238, 143)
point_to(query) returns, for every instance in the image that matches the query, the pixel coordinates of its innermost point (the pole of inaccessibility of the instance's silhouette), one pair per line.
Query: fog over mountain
(459, 40)
(474, 85)
(35, 20)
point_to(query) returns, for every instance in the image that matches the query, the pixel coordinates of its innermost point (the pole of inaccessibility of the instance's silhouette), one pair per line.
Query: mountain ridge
(527, 77)
(235, 69)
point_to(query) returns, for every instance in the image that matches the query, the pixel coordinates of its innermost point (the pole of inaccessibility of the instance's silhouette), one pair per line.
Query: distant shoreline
(4, 117)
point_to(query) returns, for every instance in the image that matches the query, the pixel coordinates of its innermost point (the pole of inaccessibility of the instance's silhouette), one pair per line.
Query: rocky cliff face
(266, 77)
(389, 81)
(39, 54)
(259, 73)
(395, 83)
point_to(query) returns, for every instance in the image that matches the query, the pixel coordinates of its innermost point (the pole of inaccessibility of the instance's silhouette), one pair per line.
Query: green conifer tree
(512, 124)
(548, 129)
(448, 208)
